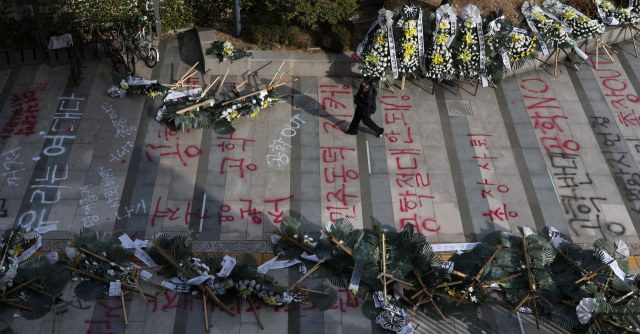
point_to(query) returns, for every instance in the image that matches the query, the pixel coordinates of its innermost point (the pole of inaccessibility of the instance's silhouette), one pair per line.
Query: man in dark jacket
(365, 101)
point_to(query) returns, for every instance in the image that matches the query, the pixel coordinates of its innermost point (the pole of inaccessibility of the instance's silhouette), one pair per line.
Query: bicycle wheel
(76, 65)
(131, 60)
(95, 42)
(119, 64)
(152, 57)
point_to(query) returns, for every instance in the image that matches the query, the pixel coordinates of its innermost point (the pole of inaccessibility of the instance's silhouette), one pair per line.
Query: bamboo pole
(52, 296)
(90, 275)
(339, 244)
(19, 286)
(571, 59)
(403, 78)
(555, 73)
(275, 75)
(206, 315)
(384, 271)
(204, 93)
(124, 308)
(305, 275)
(55, 309)
(184, 77)
(393, 93)
(304, 247)
(222, 82)
(263, 90)
(477, 86)
(136, 276)
(458, 89)
(282, 77)
(256, 313)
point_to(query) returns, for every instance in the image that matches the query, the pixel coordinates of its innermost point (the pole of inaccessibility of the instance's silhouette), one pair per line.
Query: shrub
(587, 8)
(290, 36)
(337, 39)
(305, 12)
(392, 4)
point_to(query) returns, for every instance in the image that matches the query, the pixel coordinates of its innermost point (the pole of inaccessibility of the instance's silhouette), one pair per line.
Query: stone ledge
(265, 63)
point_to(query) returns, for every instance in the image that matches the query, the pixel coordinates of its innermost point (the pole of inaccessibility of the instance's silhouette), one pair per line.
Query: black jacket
(366, 101)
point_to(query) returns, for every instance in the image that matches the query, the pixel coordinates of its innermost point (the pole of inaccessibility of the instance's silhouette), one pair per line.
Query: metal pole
(237, 11)
(156, 13)
(42, 36)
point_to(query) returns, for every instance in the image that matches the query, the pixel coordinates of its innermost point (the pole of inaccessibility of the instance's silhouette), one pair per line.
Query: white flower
(474, 299)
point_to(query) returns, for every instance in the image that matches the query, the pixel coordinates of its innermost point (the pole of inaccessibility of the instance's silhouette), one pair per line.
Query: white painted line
(368, 158)
(554, 185)
(204, 202)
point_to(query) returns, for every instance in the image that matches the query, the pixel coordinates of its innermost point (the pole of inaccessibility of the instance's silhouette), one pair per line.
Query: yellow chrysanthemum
(569, 15)
(534, 45)
(465, 56)
(234, 114)
(254, 113)
(607, 5)
(371, 59)
(517, 58)
(470, 24)
(489, 40)
(380, 40)
(409, 48)
(511, 59)
(625, 11)
(437, 59)
(535, 37)
(468, 38)
(515, 38)
(522, 54)
(17, 249)
(409, 32)
(270, 301)
(441, 39)
(191, 115)
(354, 292)
(443, 25)
(557, 26)
(584, 19)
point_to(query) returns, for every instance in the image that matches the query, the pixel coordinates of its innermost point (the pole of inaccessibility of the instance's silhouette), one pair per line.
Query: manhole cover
(459, 108)
(305, 101)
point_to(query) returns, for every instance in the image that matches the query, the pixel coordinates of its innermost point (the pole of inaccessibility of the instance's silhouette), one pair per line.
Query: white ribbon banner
(355, 278)
(452, 34)
(611, 21)
(421, 44)
(453, 247)
(139, 253)
(543, 45)
(366, 38)
(438, 18)
(483, 55)
(392, 49)
(505, 60)
(492, 26)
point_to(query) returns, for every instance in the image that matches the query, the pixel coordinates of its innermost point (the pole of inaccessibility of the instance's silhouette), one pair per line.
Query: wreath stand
(600, 43)
(533, 293)
(555, 73)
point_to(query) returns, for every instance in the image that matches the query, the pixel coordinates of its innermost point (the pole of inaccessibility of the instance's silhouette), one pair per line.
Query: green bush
(392, 4)
(304, 12)
(337, 39)
(270, 35)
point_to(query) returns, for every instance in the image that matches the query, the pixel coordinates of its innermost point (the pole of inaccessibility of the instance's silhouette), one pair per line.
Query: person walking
(365, 101)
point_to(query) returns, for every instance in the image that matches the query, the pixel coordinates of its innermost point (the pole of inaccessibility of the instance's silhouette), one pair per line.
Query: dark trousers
(355, 122)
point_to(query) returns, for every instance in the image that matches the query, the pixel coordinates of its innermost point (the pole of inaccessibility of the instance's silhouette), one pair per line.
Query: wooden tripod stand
(533, 293)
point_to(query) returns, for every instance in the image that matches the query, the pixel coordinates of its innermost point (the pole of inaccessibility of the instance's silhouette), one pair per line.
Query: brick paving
(540, 151)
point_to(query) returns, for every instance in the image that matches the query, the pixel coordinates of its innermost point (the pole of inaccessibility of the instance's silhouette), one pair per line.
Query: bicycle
(144, 44)
(76, 54)
(100, 44)
(125, 42)
(75, 51)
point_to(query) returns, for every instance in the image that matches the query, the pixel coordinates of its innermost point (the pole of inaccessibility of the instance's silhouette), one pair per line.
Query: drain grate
(305, 101)
(459, 108)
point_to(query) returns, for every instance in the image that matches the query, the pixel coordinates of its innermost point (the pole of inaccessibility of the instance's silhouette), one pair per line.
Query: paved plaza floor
(540, 151)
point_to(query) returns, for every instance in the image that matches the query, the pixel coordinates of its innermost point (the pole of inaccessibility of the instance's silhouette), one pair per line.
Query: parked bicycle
(101, 44)
(143, 44)
(75, 51)
(125, 43)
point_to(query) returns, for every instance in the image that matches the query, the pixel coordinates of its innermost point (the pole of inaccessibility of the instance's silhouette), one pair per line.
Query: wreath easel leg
(571, 59)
